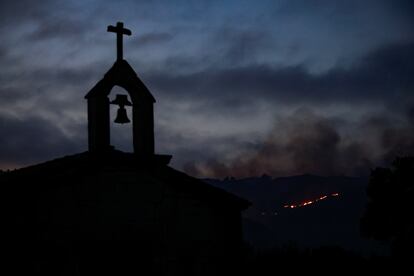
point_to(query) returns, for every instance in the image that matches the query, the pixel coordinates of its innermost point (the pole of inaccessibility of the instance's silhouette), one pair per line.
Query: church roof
(87, 164)
(122, 74)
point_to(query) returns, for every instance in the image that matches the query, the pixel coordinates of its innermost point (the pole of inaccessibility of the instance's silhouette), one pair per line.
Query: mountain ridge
(332, 221)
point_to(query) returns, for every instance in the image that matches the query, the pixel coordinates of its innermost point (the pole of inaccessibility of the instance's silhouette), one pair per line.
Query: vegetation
(390, 213)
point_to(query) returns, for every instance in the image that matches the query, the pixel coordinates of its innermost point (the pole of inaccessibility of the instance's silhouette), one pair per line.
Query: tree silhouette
(390, 214)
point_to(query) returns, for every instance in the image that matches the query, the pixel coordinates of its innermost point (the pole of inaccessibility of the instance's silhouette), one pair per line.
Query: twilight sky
(243, 87)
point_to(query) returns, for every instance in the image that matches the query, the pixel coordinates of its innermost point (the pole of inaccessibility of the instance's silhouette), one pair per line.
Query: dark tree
(390, 214)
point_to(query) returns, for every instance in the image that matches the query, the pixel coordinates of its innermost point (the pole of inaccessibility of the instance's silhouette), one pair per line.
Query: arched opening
(120, 134)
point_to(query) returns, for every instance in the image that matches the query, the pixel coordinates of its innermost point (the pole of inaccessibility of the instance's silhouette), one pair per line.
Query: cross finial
(119, 30)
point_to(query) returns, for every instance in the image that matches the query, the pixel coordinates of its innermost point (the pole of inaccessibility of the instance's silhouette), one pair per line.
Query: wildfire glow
(309, 202)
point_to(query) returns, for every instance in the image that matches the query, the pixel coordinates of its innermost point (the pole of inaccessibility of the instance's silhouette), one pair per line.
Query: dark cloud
(202, 147)
(383, 76)
(404, 8)
(151, 39)
(12, 11)
(309, 143)
(10, 95)
(217, 60)
(3, 52)
(62, 76)
(45, 91)
(240, 46)
(32, 140)
(301, 143)
(59, 28)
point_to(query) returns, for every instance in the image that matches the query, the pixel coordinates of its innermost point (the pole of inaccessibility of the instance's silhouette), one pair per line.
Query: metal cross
(119, 30)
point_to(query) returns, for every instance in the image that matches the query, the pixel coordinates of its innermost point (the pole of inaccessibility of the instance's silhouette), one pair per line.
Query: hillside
(306, 210)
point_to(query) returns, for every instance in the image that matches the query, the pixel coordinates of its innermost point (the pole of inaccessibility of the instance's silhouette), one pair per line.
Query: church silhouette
(108, 212)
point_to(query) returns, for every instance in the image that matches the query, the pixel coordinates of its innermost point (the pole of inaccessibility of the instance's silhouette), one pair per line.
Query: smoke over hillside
(306, 142)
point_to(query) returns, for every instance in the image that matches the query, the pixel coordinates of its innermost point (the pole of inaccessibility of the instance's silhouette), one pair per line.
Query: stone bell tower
(142, 101)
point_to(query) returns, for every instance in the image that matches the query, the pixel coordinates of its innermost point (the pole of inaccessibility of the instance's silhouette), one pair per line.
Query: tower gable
(121, 74)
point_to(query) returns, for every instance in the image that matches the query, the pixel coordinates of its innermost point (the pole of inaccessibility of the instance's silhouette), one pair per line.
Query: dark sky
(243, 87)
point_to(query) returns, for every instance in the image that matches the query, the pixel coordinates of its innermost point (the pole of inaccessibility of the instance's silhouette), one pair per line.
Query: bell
(121, 117)
(122, 101)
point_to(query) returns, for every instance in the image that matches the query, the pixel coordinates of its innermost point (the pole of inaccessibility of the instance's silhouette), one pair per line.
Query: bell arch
(121, 74)
(120, 119)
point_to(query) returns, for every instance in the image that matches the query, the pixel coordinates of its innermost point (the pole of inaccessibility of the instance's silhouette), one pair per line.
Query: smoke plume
(306, 142)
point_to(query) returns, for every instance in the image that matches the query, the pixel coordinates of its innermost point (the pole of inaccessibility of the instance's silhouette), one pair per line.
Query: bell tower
(142, 102)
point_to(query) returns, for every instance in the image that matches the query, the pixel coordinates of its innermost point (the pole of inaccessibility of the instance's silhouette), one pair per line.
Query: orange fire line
(309, 202)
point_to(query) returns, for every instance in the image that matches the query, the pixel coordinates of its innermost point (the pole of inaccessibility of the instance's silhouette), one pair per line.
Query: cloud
(295, 142)
(59, 28)
(22, 10)
(383, 76)
(32, 140)
(150, 39)
(306, 142)
(212, 66)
